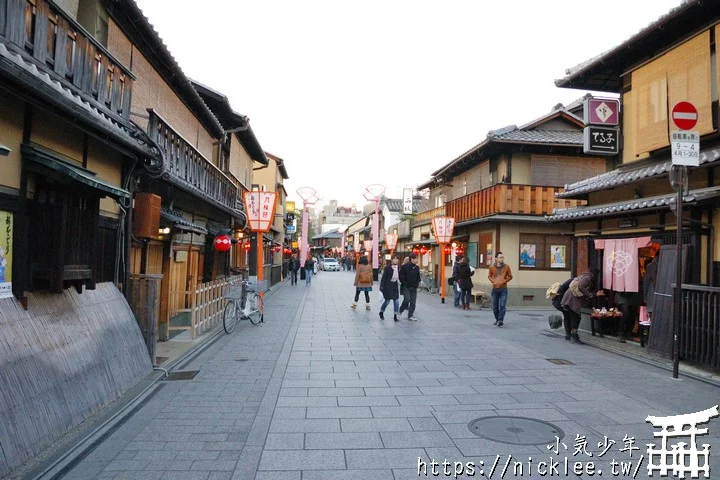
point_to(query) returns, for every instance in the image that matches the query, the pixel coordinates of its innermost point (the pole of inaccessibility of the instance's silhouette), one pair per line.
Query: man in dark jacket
(294, 267)
(557, 303)
(410, 280)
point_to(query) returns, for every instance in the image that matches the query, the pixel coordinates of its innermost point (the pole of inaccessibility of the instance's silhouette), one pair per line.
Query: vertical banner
(6, 235)
(407, 201)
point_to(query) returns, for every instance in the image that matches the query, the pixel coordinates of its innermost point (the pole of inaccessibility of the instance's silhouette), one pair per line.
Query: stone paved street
(320, 391)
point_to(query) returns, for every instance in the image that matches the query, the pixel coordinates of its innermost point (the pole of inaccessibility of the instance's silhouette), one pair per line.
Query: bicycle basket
(233, 292)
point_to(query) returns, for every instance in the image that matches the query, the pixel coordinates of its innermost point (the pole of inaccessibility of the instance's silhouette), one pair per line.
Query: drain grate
(183, 375)
(559, 361)
(516, 430)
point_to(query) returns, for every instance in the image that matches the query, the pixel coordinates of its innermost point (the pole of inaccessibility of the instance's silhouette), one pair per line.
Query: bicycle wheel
(230, 316)
(254, 308)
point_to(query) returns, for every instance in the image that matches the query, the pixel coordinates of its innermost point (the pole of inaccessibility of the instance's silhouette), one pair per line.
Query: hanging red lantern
(246, 245)
(423, 250)
(459, 251)
(447, 250)
(416, 250)
(222, 243)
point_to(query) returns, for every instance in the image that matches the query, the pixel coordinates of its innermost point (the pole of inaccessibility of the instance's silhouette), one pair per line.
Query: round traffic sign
(685, 115)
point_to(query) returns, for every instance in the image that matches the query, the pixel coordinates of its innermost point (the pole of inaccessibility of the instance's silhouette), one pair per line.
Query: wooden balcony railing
(185, 166)
(58, 44)
(428, 215)
(510, 199)
(700, 328)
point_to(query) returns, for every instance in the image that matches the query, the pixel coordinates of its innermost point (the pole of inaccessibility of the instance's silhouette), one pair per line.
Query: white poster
(407, 201)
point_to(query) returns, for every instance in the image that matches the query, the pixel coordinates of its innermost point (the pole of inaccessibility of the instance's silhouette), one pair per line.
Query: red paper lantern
(222, 243)
(423, 250)
(416, 250)
(246, 245)
(459, 251)
(447, 250)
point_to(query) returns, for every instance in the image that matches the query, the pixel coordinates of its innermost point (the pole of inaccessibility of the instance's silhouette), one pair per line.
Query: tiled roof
(623, 176)
(650, 203)
(396, 204)
(28, 73)
(176, 219)
(565, 137)
(329, 234)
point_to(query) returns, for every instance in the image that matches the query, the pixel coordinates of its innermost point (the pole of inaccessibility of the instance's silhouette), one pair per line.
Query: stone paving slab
(328, 392)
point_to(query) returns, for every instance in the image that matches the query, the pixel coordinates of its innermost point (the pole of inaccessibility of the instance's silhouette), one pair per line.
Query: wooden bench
(478, 295)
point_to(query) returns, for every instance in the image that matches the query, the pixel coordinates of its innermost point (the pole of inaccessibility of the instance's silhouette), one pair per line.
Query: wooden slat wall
(61, 360)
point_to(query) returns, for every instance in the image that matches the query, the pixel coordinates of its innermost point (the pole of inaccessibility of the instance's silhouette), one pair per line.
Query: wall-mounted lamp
(5, 150)
(164, 231)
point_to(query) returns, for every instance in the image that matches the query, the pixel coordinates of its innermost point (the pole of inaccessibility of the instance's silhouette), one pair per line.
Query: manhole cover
(516, 430)
(559, 361)
(184, 375)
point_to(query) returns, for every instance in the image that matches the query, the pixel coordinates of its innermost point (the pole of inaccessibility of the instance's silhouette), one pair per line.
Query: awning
(176, 220)
(48, 163)
(635, 205)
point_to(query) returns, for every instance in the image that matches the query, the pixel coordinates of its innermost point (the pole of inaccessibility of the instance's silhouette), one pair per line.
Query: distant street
(320, 391)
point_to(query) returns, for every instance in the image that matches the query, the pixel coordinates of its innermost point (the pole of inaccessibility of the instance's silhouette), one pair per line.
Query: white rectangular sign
(685, 146)
(407, 201)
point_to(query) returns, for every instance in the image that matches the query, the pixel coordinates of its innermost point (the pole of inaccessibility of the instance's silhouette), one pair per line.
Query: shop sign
(290, 229)
(601, 140)
(290, 206)
(601, 111)
(260, 209)
(407, 201)
(6, 235)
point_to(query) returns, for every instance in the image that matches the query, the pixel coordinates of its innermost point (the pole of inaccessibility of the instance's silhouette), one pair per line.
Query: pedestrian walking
(294, 268)
(390, 287)
(410, 279)
(499, 276)
(342, 263)
(557, 303)
(363, 282)
(580, 290)
(309, 268)
(462, 274)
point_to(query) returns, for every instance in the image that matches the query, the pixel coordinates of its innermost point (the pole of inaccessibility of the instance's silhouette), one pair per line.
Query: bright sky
(387, 91)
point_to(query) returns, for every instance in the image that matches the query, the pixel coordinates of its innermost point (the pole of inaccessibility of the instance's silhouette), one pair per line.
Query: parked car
(330, 264)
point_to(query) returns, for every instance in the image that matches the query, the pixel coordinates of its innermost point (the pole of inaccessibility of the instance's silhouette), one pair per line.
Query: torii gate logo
(684, 458)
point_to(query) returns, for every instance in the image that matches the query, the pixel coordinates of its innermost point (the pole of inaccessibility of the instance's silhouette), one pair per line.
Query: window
(94, 18)
(544, 252)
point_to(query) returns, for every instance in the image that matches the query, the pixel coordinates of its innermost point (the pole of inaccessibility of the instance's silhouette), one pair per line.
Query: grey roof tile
(623, 176)
(566, 137)
(649, 203)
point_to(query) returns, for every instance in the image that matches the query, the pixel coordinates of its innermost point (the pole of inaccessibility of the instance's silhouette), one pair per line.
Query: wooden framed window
(70, 54)
(52, 32)
(30, 21)
(544, 252)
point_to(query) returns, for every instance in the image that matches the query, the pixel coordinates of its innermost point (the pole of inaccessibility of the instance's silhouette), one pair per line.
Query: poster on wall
(6, 235)
(527, 254)
(489, 254)
(472, 254)
(557, 256)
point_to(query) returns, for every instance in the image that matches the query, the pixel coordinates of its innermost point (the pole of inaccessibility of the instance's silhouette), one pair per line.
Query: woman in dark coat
(581, 289)
(390, 287)
(462, 274)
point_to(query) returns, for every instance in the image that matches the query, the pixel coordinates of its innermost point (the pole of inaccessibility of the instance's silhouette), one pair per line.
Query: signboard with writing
(289, 206)
(260, 209)
(685, 147)
(443, 228)
(601, 140)
(407, 201)
(6, 236)
(601, 111)
(290, 229)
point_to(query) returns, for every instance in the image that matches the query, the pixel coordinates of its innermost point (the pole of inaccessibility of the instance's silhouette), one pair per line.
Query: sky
(354, 93)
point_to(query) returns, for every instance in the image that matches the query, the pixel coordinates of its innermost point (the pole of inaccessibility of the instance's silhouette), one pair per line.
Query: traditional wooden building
(674, 59)
(499, 193)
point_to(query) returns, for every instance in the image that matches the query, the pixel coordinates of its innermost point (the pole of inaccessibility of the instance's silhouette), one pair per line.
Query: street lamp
(373, 193)
(309, 197)
(443, 230)
(391, 241)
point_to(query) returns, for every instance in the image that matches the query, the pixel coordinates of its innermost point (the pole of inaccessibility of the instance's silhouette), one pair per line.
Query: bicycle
(427, 284)
(246, 303)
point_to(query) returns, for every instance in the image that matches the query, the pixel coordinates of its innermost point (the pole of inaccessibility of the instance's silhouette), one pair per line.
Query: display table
(597, 316)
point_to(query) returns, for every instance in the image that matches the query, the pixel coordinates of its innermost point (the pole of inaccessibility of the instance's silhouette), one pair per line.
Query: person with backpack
(557, 303)
(462, 274)
(410, 279)
(580, 290)
(363, 282)
(390, 287)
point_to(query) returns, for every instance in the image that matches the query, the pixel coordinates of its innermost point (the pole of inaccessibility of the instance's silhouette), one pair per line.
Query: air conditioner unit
(146, 215)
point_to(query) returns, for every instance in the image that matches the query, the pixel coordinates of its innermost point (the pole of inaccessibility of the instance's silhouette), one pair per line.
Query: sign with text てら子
(600, 140)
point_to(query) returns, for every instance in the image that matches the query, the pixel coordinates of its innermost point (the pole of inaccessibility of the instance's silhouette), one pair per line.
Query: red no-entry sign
(685, 115)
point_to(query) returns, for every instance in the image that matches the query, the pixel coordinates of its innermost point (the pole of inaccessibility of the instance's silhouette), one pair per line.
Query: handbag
(575, 288)
(451, 281)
